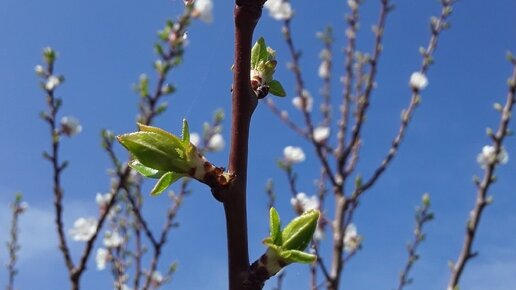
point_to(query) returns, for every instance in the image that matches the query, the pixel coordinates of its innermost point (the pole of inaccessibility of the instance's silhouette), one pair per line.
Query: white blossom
(204, 10)
(279, 9)
(324, 70)
(157, 279)
(23, 206)
(352, 239)
(102, 258)
(319, 233)
(113, 239)
(102, 199)
(216, 142)
(40, 71)
(70, 126)
(114, 211)
(125, 287)
(487, 156)
(195, 139)
(52, 82)
(418, 81)
(353, 4)
(305, 203)
(293, 154)
(83, 229)
(321, 133)
(298, 101)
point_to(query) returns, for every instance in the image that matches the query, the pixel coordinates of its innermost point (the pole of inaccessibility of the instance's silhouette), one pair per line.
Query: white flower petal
(293, 154)
(298, 101)
(83, 229)
(321, 133)
(324, 70)
(70, 126)
(113, 239)
(279, 9)
(487, 156)
(351, 238)
(101, 258)
(304, 202)
(418, 81)
(216, 142)
(102, 199)
(52, 82)
(204, 8)
(157, 278)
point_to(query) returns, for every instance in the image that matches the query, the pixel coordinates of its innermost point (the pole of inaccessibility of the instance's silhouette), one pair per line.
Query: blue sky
(105, 45)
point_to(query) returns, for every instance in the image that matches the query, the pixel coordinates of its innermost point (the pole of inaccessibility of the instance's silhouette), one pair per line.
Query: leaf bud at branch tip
(164, 156)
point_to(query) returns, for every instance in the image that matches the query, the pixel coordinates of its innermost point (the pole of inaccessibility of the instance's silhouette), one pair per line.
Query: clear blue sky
(105, 45)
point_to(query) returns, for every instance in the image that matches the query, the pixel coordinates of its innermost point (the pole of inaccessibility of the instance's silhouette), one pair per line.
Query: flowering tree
(323, 234)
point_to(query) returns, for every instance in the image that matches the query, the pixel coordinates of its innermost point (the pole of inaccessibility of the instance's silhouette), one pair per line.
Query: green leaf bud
(275, 226)
(156, 148)
(298, 233)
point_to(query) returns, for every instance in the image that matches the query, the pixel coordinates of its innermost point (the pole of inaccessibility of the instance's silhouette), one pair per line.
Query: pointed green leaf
(298, 233)
(258, 52)
(255, 55)
(264, 54)
(156, 149)
(295, 256)
(165, 181)
(144, 170)
(185, 133)
(275, 226)
(276, 89)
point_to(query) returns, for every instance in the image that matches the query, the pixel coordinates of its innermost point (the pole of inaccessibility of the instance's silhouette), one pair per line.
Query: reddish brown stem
(244, 101)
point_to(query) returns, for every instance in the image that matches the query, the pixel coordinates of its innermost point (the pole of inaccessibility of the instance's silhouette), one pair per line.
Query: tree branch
(244, 101)
(482, 200)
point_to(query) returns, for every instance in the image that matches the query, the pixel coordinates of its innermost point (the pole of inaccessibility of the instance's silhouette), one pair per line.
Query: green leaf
(258, 52)
(298, 233)
(276, 89)
(295, 256)
(185, 133)
(275, 226)
(144, 170)
(165, 181)
(157, 149)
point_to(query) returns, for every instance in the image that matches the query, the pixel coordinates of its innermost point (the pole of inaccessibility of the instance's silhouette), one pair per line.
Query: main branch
(244, 101)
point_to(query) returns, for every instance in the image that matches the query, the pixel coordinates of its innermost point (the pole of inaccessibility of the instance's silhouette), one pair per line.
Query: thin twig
(300, 90)
(482, 199)
(325, 74)
(363, 100)
(169, 223)
(423, 215)
(283, 116)
(438, 25)
(13, 246)
(341, 201)
(57, 167)
(351, 33)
